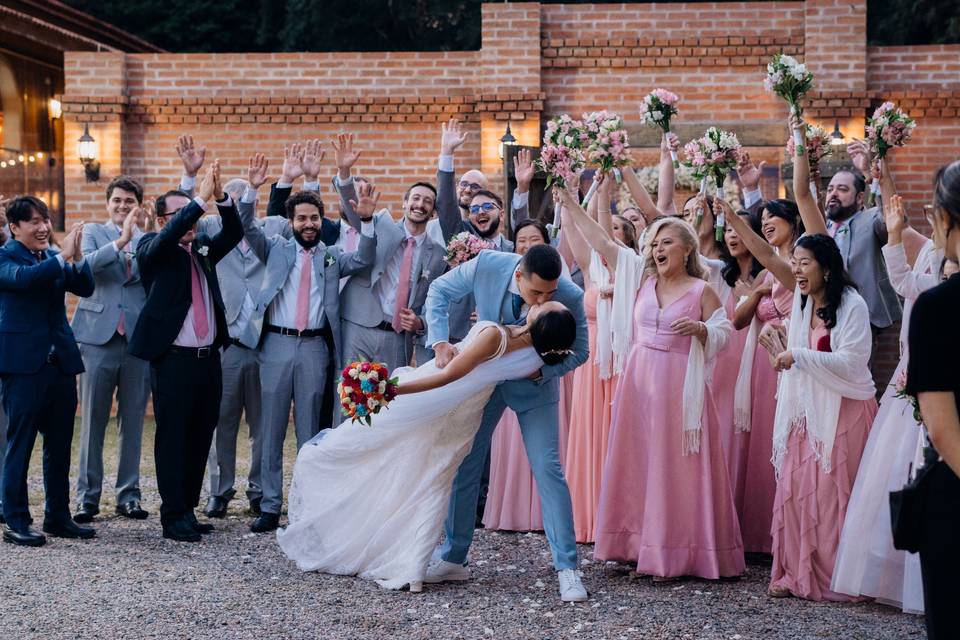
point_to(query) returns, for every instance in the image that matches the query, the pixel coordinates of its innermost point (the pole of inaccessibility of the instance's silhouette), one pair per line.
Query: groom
(504, 286)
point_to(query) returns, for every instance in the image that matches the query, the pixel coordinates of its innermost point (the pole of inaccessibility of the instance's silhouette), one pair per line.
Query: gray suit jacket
(868, 269)
(279, 255)
(116, 291)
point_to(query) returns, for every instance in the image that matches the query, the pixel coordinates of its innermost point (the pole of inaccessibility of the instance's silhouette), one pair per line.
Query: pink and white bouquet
(790, 80)
(817, 148)
(364, 389)
(463, 247)
(657, 109)
(900, 387)
(605, 140)
(887, 128)
(712, 157)
(561, 157)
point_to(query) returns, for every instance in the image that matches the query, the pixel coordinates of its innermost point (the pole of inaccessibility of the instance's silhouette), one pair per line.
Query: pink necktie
(121, 327)
(198, 300)
(353, 239)
(403, 288)
(303, 291)
(243, 245)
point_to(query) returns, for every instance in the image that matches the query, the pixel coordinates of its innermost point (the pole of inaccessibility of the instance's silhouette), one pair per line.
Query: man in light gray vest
(381, 307)
(102, 324)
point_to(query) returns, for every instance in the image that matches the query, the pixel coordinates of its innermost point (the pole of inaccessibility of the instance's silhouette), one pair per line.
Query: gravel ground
(131, 583)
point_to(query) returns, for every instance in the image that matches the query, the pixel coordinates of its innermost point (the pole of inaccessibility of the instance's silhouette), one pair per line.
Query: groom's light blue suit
(488, 277)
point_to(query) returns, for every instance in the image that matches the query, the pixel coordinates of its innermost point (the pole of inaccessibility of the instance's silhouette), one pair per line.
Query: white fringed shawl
(811, 391)
(743, 391)
(600, 278)
(627, 282)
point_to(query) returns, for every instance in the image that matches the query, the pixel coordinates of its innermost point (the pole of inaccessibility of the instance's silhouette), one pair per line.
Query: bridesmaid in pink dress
(827, 405)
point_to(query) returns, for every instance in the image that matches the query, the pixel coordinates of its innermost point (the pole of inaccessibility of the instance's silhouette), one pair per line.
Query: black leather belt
(193, 352)
(384, 326)
(306, 333)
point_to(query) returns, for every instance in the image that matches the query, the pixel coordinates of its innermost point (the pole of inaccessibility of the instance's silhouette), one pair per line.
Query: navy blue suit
(39, 360)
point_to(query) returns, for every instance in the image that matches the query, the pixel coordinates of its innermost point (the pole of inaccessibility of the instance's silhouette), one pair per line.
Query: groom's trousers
(539, 428)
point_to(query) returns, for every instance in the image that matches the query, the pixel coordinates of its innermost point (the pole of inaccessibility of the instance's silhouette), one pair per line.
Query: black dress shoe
(181, 531)
(216, 507)
(26, 537)
(191, 520)
(266, 522)
(255, 506)
(85, 513)
(68, 529)
(132, 509)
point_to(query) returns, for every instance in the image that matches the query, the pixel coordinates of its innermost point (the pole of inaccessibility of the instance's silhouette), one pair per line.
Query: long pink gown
(725, 374)
(760, 485)
(589, 430)
(670, 513)
(810, 505)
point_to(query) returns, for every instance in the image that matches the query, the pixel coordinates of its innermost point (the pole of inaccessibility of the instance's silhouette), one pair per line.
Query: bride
(370, 500)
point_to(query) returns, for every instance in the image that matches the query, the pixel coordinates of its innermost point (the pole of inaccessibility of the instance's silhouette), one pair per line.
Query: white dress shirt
(389, 282)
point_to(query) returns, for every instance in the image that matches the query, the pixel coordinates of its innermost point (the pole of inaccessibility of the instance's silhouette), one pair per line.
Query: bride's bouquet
(606, 144)
(365, 388)
(712, 156)
(790, 80)
(463, 247)
(657, 109)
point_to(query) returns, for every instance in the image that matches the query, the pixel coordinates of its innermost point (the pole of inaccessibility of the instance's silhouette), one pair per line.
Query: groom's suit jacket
(488, 277)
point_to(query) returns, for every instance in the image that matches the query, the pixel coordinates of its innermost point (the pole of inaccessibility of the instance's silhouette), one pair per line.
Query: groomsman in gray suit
(382, 306)
(295, 311)
(102, 324)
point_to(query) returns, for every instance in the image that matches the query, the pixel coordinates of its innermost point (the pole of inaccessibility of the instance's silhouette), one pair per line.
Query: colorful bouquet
(463, 247)
(889, 127)
(365, 388)
(712, 156)
(606, 143)
(561, 157)
(901, 392)
(817, 148)
(657, 109)
(790, 80)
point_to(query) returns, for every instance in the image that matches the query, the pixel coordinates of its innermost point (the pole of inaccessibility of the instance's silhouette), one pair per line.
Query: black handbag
(907, 506)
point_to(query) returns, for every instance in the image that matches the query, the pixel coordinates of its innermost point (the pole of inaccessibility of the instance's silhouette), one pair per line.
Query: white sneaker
(443, 571)
(571, 589)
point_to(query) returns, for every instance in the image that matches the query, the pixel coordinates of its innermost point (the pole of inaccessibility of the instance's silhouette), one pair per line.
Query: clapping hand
(126, 233)
(191, 156)
(523, 169)
(452, 137)
(257, 170)
(773, 339)
(70, 245)
(292, 163)
(366, 203)
(208, 186)
(344, 154)
(313, 155)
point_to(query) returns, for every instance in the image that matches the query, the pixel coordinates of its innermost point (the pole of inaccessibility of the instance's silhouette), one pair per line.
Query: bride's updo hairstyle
(553, 333)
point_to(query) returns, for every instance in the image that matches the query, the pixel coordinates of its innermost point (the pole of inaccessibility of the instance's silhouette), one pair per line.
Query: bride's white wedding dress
(370, 501)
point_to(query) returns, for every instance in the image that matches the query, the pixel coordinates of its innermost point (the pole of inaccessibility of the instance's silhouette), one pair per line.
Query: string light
(9, 158)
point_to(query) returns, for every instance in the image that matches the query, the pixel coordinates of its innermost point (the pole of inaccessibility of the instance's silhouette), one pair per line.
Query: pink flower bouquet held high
(561, 157)
(790, 80)
(657, 109)
(463, 247)
(605, 140)
(712, 157)
(889, 127)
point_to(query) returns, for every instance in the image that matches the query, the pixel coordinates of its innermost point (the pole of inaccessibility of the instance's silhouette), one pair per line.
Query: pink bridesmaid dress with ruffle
(810, 505)
(670, 513)
(760, 484)
(589, 430)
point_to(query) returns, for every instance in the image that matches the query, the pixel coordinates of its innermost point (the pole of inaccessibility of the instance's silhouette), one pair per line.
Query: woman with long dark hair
(825, 407)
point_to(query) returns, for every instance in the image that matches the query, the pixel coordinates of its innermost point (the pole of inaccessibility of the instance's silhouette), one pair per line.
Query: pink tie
(303, 291)
(403, 288)
(353, 238)
(200, 326)
(121, 327)
(243, 245)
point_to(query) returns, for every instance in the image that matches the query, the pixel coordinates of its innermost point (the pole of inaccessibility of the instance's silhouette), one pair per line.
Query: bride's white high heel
(416, 587)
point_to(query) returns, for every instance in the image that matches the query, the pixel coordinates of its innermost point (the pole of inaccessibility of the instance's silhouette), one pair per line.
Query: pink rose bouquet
(605, 140)
(712, 156)
(463, 247)
(657, 109)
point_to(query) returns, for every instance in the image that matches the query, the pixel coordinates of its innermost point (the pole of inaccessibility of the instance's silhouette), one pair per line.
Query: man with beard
(860, 235)
(382, 305)
(297, 315)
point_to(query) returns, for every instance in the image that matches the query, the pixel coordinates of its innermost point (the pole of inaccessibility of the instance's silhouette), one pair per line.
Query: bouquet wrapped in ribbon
(463, 247)
(561, 157)
(817, 147)
(790, 80)
(606, 143)
(365, 388)
(712, 157)
(657, 109)
(887, 128)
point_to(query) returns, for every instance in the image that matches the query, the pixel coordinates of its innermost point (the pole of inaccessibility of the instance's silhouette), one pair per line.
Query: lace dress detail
(370, 501)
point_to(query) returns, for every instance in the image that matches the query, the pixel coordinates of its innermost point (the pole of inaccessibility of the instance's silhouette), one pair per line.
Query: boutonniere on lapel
(203, 250)
(425, 275)
(329, 260)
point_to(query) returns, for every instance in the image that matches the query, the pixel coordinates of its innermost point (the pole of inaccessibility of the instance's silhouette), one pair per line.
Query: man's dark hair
(489, 194)
(161, 204)
(425, 185)
(542, 260)
(859, 183)
(302, 197)
(127, 184)
(23, 208)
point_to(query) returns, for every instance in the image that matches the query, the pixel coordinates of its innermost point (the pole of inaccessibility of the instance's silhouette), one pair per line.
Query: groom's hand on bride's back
(445, 352)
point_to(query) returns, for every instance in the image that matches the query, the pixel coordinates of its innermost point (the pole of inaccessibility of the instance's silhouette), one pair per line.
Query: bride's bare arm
(479, 351)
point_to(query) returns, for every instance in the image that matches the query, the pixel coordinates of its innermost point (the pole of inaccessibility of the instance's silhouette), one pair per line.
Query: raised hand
(292, 163)
(344, 154)
(523, 170)
(859, 153)
(4, 203)
(749, 173)
(669, 142)
(313, 155)
(452, 136)
(147, 217)
(191, 155)
(366, 203)
(895, 217)
(208, 185)
(257, 170)
(217, 182)
(78, 243)
(68, 244)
